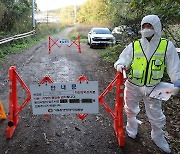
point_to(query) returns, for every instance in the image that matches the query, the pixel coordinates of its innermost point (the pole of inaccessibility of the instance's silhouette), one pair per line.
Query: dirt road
(64, 134)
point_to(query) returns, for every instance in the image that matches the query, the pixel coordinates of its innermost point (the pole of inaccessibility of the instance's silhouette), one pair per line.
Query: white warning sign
(61, 98)
(64, 41)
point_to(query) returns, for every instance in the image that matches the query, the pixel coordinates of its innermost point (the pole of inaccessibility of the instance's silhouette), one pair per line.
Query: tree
(2, 10)
(94, 12)
(15, 16)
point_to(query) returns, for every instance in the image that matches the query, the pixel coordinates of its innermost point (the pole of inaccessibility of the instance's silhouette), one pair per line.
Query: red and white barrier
(52, 42)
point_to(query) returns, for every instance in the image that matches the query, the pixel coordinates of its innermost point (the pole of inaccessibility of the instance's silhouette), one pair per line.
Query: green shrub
(111, 54)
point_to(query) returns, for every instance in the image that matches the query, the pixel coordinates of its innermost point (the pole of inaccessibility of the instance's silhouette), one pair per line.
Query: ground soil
(66, 134)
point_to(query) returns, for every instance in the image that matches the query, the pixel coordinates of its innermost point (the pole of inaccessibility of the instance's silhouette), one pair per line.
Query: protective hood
(155, 22)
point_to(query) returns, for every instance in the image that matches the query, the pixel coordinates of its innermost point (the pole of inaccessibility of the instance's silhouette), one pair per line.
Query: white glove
(119, 68)
(175, 91)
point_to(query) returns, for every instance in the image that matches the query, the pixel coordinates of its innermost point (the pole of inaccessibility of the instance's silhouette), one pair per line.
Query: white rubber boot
(158, 138)
(132, 127)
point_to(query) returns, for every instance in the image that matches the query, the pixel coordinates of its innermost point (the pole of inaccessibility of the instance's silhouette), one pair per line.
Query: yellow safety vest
(144, 72)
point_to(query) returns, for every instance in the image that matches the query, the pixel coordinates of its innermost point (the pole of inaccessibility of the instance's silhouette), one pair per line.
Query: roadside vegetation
(15, 18)
(16, 46)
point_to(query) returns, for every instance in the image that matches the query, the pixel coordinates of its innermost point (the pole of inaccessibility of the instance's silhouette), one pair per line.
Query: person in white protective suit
(147, 58)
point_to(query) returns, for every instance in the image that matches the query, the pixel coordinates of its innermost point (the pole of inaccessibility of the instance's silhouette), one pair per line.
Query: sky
(44, 5)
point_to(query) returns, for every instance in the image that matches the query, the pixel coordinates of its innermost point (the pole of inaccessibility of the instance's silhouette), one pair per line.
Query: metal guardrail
(15, 37)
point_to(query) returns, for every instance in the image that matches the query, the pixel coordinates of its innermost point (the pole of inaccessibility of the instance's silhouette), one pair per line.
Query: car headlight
(93, 38)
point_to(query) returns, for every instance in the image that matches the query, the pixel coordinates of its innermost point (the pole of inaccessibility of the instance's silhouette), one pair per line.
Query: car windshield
(101, 31)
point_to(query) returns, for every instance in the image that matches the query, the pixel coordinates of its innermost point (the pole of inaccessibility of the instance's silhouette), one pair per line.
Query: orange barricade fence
(50, 45)
(117, 114)
(14, 109)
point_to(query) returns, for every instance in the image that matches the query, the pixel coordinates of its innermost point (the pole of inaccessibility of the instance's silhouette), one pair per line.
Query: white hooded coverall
(134, 93)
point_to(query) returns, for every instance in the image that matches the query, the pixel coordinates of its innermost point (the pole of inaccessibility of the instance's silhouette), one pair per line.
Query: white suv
(100, 36)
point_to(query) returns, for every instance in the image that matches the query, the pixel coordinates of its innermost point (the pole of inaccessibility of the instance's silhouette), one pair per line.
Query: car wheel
(91, 46)
(87, 42)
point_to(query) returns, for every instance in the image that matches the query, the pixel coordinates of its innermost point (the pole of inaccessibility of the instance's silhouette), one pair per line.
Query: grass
(111, 54)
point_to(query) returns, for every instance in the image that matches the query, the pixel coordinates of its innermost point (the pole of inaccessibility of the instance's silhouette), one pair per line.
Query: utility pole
(47, 16)
(33, 20)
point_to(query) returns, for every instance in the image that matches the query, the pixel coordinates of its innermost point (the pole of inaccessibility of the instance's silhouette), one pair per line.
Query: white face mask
(147, 32)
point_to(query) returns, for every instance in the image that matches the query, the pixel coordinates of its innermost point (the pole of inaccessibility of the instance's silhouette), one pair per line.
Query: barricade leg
(118, 121)
(14, 109)
(79, 44)
(13, 104)
(82, 116)
(49, 44)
